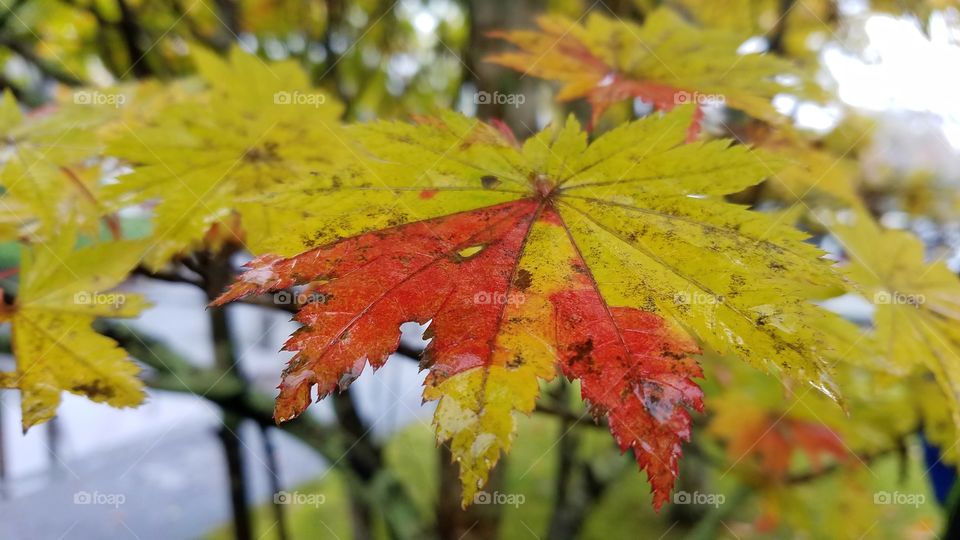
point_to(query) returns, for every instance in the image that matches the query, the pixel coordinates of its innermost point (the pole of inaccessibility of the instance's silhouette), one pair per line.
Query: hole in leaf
(412, 334)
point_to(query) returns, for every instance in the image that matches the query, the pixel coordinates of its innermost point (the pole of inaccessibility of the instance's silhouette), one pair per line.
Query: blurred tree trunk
(229, 15)
(238, 494)
(133, 36)
(580, 482)
(53, 445)
(478, 521)
(3, 458)
(572, 492)
(273, 470)
(621, 8)
(365, 459)
(694, 471)
(485, 16)
(336, 11)
(217, 276)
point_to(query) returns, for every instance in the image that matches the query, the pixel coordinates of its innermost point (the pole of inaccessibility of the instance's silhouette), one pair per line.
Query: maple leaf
(815, 173)
(938, 423)
(665, 62)
(814, 176)
(62, 291)
(257, 127)
(776, 440)
(772, 437)
(917, 304)
(762, 18)
(45, 185)
(59, 133)
(797, 31)
(588, 258)
(40, 199)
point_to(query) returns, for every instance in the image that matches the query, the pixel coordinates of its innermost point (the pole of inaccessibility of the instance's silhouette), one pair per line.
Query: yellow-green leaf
(257, 129)
(62, 291)
(917, 317)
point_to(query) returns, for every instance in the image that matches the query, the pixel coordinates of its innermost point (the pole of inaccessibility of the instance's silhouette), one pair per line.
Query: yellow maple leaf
(62, 291)
(917, 304)
(257, 128)
(814, 173)
(49, 178)
(59, 134)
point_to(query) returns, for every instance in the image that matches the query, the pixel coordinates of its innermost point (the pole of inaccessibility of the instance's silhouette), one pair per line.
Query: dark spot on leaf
(580, 351)
(523, 280)
(95, 390)
(671, 354)
(260, 154)
(489, 181)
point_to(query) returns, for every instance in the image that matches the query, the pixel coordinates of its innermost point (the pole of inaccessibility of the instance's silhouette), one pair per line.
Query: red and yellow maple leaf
(558, 255)
(665, 62)
(509, 319)
(772, 440)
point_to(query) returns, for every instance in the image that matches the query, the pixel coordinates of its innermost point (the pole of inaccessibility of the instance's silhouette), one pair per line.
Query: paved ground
(167, 487)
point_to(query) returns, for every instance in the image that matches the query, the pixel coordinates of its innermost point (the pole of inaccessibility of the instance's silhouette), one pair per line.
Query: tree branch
(171, 276)
(47, 68)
